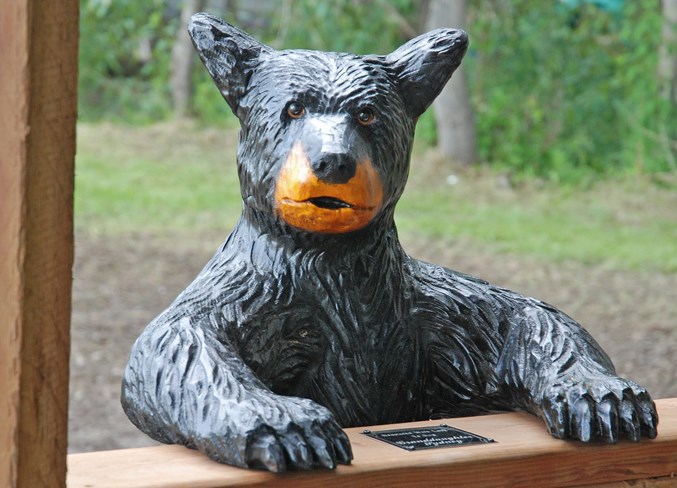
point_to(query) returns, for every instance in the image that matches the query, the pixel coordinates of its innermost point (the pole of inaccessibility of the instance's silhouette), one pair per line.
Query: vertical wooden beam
(38, 86)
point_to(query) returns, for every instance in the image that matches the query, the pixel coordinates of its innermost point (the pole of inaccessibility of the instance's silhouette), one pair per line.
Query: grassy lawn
(181, 178)
(161, 178)
(625, 224)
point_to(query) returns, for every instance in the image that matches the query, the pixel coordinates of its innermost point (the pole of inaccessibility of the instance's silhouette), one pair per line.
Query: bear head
(325, 138)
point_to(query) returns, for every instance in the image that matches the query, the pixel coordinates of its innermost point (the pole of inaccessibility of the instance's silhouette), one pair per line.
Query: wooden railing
(524, 455)
(38, 85)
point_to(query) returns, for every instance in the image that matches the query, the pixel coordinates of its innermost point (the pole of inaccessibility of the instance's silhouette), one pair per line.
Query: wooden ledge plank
(524, 455)
(663, 482)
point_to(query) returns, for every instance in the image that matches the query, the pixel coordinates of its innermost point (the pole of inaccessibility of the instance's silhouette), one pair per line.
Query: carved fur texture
(287, 334)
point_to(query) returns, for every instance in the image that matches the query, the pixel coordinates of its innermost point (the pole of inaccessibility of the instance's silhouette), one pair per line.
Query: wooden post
(38, 102)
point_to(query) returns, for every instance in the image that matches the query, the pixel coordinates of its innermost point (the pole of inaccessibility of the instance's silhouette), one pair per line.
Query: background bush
(565, 91)
(125, 47)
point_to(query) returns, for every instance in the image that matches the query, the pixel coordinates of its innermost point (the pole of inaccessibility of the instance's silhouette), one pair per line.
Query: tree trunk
(454, 115)
(667, 56)
(180, 81)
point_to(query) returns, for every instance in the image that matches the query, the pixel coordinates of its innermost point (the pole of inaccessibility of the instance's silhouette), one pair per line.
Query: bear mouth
(329, 203)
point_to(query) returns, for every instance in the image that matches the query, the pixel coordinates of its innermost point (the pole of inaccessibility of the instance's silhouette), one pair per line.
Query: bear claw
(321, 445)
(606, 411)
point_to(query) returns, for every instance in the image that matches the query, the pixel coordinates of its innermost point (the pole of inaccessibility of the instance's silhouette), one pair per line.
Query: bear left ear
(424, 65)
(228, 53)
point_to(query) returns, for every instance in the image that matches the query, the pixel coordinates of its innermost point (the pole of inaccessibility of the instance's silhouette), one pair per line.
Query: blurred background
(548, 165)
(564, 90)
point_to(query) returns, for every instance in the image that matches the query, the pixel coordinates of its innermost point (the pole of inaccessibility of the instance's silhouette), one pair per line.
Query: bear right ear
(424, 65)
(228, 53)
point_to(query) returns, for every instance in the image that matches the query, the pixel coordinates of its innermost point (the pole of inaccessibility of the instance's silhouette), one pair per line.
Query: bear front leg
(184, 385)
(570, 382)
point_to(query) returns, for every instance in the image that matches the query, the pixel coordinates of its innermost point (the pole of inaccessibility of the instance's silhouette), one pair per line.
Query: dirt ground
(120, 285)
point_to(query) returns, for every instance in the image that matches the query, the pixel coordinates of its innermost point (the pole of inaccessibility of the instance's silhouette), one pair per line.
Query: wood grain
(524, 455)
(38, 84)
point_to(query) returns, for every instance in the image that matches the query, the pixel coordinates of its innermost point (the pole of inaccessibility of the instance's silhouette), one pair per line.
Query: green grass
(179, 178)
(162, 178)
(581, 226)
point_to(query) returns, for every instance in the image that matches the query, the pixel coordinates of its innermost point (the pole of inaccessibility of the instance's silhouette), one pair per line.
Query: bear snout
(306, 201)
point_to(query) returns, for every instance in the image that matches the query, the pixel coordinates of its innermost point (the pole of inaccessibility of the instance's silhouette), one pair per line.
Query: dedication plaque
(417, 438)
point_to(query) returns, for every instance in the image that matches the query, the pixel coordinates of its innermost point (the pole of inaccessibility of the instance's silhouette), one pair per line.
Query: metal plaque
(427, 437)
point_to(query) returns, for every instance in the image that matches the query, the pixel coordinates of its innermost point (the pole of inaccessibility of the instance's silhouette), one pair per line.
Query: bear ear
(229, 54)
(424, 65)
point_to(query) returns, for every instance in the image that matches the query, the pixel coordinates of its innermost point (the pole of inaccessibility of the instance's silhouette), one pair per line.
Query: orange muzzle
(308, 203)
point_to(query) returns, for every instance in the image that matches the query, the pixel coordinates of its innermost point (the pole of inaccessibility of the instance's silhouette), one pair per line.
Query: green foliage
(569, 94)
(564, 91)
(372, 26)
(208, 104)
(125, 47)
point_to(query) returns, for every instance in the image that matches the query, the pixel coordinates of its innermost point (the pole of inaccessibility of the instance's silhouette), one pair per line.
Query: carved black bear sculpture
(311, 316)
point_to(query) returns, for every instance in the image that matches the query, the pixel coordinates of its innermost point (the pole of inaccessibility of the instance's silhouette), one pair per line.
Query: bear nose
(334, 168)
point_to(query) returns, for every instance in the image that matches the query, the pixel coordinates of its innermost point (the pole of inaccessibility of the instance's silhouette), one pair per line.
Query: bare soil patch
(123, 283)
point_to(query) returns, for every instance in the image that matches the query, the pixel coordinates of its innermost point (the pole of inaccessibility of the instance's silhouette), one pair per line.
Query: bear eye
(295, 110)
(366, 117)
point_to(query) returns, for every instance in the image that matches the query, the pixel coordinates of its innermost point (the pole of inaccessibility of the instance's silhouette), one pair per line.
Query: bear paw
(278, 433)
(303, 446)
(601, 409)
